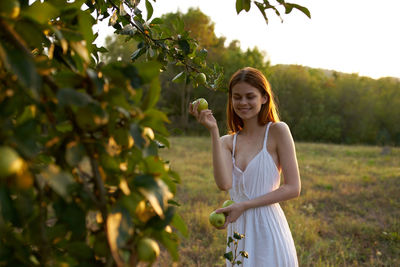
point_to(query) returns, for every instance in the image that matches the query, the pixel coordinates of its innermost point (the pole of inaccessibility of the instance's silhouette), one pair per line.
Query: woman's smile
(246, 100)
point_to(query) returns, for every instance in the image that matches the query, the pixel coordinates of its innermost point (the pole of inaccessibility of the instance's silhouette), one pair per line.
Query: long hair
(255, 78)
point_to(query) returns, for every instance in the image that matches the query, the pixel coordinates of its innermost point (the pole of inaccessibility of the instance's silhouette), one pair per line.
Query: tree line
(319, 105)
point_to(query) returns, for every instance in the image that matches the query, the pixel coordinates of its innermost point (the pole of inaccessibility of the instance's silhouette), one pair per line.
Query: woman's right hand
(205, 117)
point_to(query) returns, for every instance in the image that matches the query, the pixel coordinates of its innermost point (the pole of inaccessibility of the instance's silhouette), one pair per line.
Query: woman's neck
(251, 127)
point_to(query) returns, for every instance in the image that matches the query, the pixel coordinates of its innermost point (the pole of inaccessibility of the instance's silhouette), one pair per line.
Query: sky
(351, 36)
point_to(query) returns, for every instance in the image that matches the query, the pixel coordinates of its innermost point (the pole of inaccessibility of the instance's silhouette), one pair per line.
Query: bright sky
(352, 36)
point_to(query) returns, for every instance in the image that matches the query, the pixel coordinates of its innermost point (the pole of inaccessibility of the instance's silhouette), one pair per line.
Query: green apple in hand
(217, 219)
(203, 104)
(228, 203)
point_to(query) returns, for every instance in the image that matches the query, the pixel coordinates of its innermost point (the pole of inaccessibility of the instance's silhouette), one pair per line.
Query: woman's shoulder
(279, 130)
(279, 126)
(227, 141)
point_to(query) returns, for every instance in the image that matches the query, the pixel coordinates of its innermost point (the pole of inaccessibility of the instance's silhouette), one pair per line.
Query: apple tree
(81, 179)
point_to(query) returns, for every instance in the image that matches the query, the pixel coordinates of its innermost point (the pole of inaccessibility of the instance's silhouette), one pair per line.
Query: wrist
(245, 205)
(214, 130)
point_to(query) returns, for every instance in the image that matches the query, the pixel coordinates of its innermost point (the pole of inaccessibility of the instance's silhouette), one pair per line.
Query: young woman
(248, 162)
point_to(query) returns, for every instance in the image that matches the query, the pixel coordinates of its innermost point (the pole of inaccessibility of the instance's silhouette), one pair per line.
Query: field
(348, 213)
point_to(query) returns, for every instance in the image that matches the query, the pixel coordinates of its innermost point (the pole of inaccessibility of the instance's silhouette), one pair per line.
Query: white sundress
(268, 240)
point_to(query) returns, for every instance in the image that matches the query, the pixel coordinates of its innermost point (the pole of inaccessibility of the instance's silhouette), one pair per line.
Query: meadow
(348, 213)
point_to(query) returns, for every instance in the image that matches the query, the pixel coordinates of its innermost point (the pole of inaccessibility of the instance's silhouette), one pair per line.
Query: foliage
(232, 256)
(86, 182)
(327, 106)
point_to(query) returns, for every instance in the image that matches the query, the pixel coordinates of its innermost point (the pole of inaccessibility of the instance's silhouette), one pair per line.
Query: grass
(348, 213)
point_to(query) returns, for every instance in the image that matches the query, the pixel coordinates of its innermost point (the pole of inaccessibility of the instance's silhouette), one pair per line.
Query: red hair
(256, 79)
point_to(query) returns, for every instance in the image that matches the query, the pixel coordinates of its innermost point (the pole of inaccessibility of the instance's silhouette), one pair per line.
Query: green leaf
(22, 65)
(79, 250)
(28, 138)
(64, 127)
(152, 95)
(74, 154)
(244, 254)
(137, 54)
(97, 83)
(173, 202)
(242, 4)
(157, 21)
(228, 256)
(30, 32)
(148, 71)
(237, 236)
(239, 6)
(57, 179)
(230, 240)
(288, 8)
(163, 142)
(81, 49)
(179, 224)
(68, 79)
(185, 46)
(149, 9)
(41, 12)
(179, 78)
(69, 96)
(85, 22)
(169, 241)
(302, 9)
(7, 210)
(262, 10)
(156, 120)
(202, 53)
(155, 191)
(119, 231)
(136, 133)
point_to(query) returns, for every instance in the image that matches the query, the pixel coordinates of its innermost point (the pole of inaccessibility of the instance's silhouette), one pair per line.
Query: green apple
(203, 104)
(217, 219)
(10, 162)
(147, 249)
(201, 78)
(9, 8)
(228, 203)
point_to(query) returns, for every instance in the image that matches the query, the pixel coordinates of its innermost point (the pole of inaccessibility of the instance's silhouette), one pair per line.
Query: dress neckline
(264, 148)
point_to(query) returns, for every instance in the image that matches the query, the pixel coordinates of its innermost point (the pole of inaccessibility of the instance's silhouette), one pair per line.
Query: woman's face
(247, 100)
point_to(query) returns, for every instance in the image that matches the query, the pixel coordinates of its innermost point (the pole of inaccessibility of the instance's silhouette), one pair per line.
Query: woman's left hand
(232, 212)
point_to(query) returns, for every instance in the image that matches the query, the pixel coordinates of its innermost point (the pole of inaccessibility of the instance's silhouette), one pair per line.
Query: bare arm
(291, 185)
(222, 161)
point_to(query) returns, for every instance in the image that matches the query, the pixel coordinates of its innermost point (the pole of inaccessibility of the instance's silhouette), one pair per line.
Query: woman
(248, 162)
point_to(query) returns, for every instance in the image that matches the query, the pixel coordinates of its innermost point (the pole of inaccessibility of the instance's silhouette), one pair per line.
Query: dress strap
(233, 146)
(266, 134)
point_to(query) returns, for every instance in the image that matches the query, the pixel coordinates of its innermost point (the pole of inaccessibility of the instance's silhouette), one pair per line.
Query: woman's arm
(222, 160)
(221, 152)
(291, 185)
